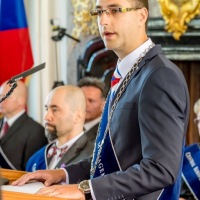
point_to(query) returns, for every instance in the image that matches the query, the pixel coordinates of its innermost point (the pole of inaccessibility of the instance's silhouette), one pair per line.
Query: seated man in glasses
(191, 165)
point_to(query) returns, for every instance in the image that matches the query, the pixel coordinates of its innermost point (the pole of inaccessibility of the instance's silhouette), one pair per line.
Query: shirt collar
(70, 142)
(11, 120)
(126, 63)
(90, 124)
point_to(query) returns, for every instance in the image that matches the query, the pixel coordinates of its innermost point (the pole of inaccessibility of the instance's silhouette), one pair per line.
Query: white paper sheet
(30, 188)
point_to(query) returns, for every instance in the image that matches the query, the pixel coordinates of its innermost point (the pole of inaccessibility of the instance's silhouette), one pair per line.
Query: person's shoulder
(31, 121)
(37, 160)
(92, 131)
(39, 152)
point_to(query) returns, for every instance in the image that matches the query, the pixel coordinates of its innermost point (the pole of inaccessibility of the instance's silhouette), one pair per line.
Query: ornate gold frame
(177, 14)
(83, 22)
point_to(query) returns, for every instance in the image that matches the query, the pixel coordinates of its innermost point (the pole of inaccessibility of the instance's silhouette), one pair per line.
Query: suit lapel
(92, 133)
(74, 151)
(1, 124)
(13, 129)
(152, 52)
(47, 160)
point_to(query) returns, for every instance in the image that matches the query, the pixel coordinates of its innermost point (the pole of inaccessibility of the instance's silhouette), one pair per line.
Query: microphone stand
(13, 86)
(57, 38)
(13, 81)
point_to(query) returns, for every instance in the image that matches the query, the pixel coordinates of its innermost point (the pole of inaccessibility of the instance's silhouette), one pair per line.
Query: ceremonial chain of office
(119, 94)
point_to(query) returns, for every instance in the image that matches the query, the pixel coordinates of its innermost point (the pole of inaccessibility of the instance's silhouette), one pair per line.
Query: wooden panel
(12, 175)
(7, 195)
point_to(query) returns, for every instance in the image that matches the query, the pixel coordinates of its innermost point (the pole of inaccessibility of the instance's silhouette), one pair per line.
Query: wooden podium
(13, 175)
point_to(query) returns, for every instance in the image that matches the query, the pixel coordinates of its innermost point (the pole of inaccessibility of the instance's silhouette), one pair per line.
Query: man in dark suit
(23, 136)
(139, 147)
(94, 90)
(64, 120)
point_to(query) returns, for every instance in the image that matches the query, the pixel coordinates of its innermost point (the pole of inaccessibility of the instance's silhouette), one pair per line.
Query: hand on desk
(49, 177)
(64, 191)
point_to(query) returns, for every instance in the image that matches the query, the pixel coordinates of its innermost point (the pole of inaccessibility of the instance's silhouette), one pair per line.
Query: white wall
(39, 14)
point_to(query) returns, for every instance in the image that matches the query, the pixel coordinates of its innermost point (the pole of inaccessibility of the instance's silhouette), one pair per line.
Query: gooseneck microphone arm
(13, 81)
(13, 86)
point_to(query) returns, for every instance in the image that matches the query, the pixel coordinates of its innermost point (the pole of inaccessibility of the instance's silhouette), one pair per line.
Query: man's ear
(78, 115)
(21, 101)
(143, 16)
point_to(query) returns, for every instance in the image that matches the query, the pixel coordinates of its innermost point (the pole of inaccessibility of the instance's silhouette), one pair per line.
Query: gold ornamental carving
(177, 14)
(84, 24)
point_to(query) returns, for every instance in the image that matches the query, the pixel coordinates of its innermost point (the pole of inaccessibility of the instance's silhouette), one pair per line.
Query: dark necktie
(4, 128)
(54, 149)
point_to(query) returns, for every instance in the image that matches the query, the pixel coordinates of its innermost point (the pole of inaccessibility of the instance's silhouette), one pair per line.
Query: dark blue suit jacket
(147, 131)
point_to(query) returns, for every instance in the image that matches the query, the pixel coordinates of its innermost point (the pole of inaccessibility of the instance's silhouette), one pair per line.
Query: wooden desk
(13, 175)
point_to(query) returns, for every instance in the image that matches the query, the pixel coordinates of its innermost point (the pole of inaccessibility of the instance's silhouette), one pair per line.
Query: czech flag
(15, 48)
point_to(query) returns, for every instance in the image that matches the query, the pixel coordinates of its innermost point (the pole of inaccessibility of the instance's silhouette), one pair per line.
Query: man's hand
(49, 177)
(64, 191)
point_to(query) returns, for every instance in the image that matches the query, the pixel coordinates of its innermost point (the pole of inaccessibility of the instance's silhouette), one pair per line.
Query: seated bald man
(64, 120)
(20, 135)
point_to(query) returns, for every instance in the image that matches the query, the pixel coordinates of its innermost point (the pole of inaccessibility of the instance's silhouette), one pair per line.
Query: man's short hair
(142, 3)
(94, 82)
(197, 107)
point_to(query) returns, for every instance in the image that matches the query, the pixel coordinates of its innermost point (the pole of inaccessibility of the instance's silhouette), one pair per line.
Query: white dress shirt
(55, 159)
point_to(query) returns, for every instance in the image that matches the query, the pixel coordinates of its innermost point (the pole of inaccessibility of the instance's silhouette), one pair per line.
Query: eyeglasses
(197, 120)
(112, 11)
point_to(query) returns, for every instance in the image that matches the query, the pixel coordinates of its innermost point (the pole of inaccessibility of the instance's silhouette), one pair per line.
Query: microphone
(13, 81)
(26, 73)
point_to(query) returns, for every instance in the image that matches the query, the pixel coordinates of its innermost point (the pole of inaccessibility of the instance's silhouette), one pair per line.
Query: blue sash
(37, 161)
(191, 169)
(104, 160)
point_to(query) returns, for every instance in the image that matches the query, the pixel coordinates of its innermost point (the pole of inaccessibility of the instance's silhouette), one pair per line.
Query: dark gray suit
(147, 131)
(80, 150)
(23, 139)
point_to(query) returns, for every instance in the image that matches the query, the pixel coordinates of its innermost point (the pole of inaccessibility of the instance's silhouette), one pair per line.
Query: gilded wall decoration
(83, 22)
(177, 14)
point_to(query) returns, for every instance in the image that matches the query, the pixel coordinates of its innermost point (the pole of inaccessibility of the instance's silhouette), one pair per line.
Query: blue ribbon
(107, 162)
(191, 169)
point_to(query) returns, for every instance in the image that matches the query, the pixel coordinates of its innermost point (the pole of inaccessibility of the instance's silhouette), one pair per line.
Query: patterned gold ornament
(83, 22)
(177, 14)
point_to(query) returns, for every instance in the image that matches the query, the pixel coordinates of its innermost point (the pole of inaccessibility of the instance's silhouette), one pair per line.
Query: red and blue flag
(15, 48)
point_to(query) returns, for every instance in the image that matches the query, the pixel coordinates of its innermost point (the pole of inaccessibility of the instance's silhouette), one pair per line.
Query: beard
(50, 132)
